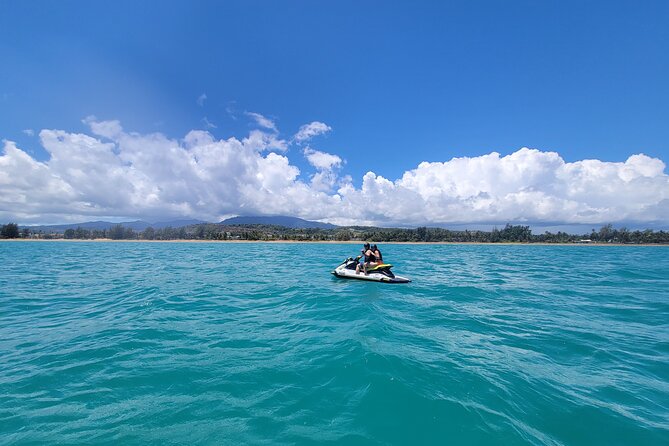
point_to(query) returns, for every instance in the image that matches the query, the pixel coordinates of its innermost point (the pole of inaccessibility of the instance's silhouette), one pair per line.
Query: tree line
(210, 231)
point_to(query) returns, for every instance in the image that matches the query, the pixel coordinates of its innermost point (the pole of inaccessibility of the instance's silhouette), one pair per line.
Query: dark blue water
(252, 343)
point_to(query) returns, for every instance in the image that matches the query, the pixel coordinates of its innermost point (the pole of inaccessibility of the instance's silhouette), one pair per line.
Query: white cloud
(260, 141)
(311, 130)
(322, 160)
(29, 132)
(108, 129)
(530, 185)
(262, 121)
(120, 174)
(201, 99)
(326, 164)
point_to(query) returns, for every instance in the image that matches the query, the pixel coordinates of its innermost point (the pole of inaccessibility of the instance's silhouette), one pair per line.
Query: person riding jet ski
(377, 254)
(368, 261)
(373, 266)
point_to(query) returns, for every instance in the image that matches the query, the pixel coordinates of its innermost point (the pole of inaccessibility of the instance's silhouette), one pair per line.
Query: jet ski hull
(347, 271)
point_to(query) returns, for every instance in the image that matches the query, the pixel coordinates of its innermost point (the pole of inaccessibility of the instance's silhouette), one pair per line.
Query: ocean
(139, 343)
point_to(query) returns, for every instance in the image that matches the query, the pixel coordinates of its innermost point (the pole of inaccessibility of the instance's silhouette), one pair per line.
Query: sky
(361, 112)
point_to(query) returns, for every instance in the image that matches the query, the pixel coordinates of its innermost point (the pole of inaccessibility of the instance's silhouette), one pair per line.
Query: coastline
(326, 242)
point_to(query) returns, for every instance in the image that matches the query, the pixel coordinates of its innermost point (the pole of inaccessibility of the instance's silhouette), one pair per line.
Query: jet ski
(378, 273)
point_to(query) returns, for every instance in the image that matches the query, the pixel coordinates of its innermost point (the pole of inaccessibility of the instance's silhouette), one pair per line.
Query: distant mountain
(175, 223)
(288, 222)
(137, 225)
(140, 225)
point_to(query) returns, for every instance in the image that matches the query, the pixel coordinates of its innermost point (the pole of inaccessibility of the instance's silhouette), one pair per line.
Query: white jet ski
(378, 273)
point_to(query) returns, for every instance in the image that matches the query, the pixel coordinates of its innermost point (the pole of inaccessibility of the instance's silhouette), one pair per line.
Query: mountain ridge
(277, 220)
(141, 225)
(101, 225)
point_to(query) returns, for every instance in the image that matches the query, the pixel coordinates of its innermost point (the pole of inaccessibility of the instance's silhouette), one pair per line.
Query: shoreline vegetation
(212, 232)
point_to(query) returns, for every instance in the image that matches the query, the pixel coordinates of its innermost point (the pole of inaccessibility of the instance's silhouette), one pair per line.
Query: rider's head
(366, 245)
(374, 248)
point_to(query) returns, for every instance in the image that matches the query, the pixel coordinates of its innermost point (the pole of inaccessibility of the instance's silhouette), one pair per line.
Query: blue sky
(398, 83)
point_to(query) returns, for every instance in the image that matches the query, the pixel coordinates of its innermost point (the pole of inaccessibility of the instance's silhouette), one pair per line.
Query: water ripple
(214, 343)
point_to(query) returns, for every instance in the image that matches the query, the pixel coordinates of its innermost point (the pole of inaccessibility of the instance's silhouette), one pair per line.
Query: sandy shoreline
(325, 242)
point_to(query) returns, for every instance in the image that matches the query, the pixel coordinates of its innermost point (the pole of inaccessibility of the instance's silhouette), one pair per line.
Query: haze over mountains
(299, 223)
(140, 225)
(288, 222)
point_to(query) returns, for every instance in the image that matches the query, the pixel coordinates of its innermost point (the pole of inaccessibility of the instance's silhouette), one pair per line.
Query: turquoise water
(221, 343)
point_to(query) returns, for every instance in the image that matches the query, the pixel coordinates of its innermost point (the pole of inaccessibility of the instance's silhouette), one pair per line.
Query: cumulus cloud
(108, 129)
(322, 160)
(262, 121)
(111, 172)
(326, 163)
(201, 99)
(308, 131)
(265, 141)
(533, 186)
